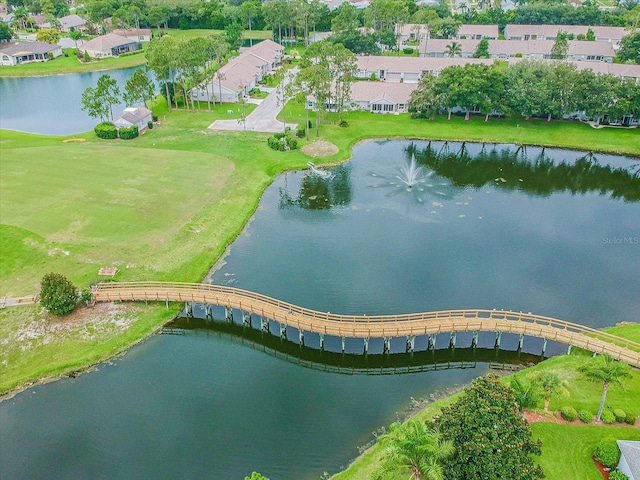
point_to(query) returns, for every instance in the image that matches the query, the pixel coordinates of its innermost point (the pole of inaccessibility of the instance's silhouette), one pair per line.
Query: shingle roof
(132, 32)
(601, 32)
(106, 42)
(395, 92)
(484, 30)
(375, 63)
(72, 21)
(631, 451)
(30, 47)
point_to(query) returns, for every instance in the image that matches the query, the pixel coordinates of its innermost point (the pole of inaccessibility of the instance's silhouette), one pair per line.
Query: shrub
(585, 417)
(86, 296)
(630, 419)
(343, 124)
(150, 124)
(300, 133)
(86, 57)
(281, 141)
(155, 118)
(619, 414)
(607, 452)
(309, 124)
(518, 55)
(106, 130)
(608, 417)
(617, 475)
(57, 294)
(568, 413)
(127, 133)
(408, 51)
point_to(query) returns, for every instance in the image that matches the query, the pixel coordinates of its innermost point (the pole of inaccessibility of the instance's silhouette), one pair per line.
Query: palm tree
(526, 394)
(415, 448)
(453, 49)
(608, 371)
(549, 383)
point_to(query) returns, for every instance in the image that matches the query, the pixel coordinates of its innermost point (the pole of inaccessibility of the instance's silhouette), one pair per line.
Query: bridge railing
(223, 295)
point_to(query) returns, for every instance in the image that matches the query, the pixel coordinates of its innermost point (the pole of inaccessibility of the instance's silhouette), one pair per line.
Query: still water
(51, 105)
(554, 233)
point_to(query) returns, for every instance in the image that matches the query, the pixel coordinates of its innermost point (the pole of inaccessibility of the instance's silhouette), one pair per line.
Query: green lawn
(71, 64)
(203, 32)
(567, 449)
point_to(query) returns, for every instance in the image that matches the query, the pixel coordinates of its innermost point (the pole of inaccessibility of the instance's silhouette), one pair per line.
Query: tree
(560, 46)
(138, 88)
(629, 48)
(414, 450)
(482, 50)
(160, 58)
(57, 294)
(453, 49)
(491, 438)
(346, 18)
(48, 35)
(5, 32)
(525, 393)
(424, 99)
(99, 101)
(256, 476)
(75, 36)
(549, 384)
(605, 369)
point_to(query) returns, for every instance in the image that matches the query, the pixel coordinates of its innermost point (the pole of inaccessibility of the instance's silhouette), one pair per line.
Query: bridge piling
(474, 340)
(246, 318)
(520, 341)
(301, 337)
(498, 339)
(188, 309)
(228, 314)
(208, 311)
(283, 331)
(411, 343)
(452, 340)
(569, 349)
(386, 345)
(322, 341)
(366, 345)
(343, 342)
(264, 325)
(544, 347)
(431, 341)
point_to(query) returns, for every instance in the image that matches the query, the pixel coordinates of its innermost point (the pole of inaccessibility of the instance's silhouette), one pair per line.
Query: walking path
(263, 118)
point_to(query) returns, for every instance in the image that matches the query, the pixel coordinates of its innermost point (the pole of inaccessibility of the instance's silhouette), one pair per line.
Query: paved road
(263, 118)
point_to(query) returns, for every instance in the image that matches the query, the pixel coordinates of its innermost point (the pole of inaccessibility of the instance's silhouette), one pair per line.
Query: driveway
(263, 118)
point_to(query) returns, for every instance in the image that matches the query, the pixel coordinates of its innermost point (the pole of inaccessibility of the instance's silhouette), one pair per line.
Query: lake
(403, 227)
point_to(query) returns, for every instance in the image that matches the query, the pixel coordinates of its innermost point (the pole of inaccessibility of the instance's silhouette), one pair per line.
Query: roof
(375, 63)
(70, 21)
(135, 114)
(29, 47)
(267, 49)
(484, 30)
(394, 92)
(631, 451)
(106, 42)
(133, 32)
(550, 31)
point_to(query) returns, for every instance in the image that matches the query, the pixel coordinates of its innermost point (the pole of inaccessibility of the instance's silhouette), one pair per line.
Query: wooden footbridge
(366, 327)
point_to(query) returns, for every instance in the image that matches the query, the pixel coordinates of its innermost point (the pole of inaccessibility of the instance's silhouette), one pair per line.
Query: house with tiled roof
(382, 97)
(407, 69)
(135, 34)
(513, 31)
(110, 45)
(73, 22)
(629, 462)
(27, 52)
(139, 116)
(477, 32)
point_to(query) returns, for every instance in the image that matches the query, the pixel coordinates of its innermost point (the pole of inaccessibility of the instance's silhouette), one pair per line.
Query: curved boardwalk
(379, 326)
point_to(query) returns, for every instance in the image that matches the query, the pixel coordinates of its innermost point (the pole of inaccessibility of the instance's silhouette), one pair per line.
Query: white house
(382, 97)
(28, 52)
(139, 116)
(629, 463)
(135, 34)
(514, 31)
(110, 45)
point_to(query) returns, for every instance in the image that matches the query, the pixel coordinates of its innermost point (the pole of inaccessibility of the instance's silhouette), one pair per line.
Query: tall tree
(550, 384)
(491, 438)
(482, 50)
(453, 49)
(560, 46)
(276, 15)
(414, 450)
(160, 58)
(57, 294)
(605, 369)
(48, 35)
(138, 88)
(6, 33)
(629, 48)
(425, 99)
(346, 18)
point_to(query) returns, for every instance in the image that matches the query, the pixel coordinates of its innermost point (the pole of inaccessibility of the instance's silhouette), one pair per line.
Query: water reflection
(320, 192)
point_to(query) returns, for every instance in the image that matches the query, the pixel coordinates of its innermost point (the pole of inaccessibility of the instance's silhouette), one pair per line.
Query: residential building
(72, 22)
(477, 32)
(110, 45)
(407, 69)
(514, 31)
(382, 97)
(135, 34)
(241, 74)
(27, 52)
(629, 462)
(139, 116)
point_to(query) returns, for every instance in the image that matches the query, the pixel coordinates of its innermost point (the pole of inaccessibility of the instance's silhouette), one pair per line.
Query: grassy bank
(71, 64)
(566, 451)
(166, 205)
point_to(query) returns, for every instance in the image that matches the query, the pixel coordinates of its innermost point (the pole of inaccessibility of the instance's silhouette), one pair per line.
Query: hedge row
(108, 131)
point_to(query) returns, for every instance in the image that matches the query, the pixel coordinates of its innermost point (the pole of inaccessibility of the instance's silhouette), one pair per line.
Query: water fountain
(324, 174)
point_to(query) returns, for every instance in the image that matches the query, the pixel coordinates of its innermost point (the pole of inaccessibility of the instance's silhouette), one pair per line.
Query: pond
(403, 227)
(51, 105)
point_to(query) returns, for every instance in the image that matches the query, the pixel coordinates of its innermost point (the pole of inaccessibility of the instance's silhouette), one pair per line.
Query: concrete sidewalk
(263, 118)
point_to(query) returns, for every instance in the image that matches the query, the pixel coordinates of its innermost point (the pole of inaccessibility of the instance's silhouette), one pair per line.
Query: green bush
(608, 417)
(155, 118)
(630, 419)
(300, 133)
(617, 475)
(619, 414)
(57, 294)
(568, 413)
(343, 123)
(408, 51)
(150, 124)
(106, 130)
(127, 133)
(282, 142)
(607, 452)
(585, 417)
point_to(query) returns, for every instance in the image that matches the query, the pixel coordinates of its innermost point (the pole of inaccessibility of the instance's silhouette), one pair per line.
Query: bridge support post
(452, 340)
(301, 337)
(264, 325)
(208, 311)
(283, 331)
(246, 318)
(322, 341)
(386, 345)
(498, 339)
(520, 341)
(188, 309)
(411, 343)
(569, 349)
(228, 314)
(343, 342)
(366, 345)
(474, 340)
(544, 347)
(431, 341)
(166, 302)
(594, 354)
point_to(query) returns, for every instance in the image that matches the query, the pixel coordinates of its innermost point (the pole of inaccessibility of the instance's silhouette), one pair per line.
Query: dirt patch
(79, 140)
(320, 149)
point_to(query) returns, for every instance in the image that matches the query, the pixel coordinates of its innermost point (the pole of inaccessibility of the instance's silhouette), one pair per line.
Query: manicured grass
(203, 32)
(556, 437)
(567, 449)
(71, 64)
